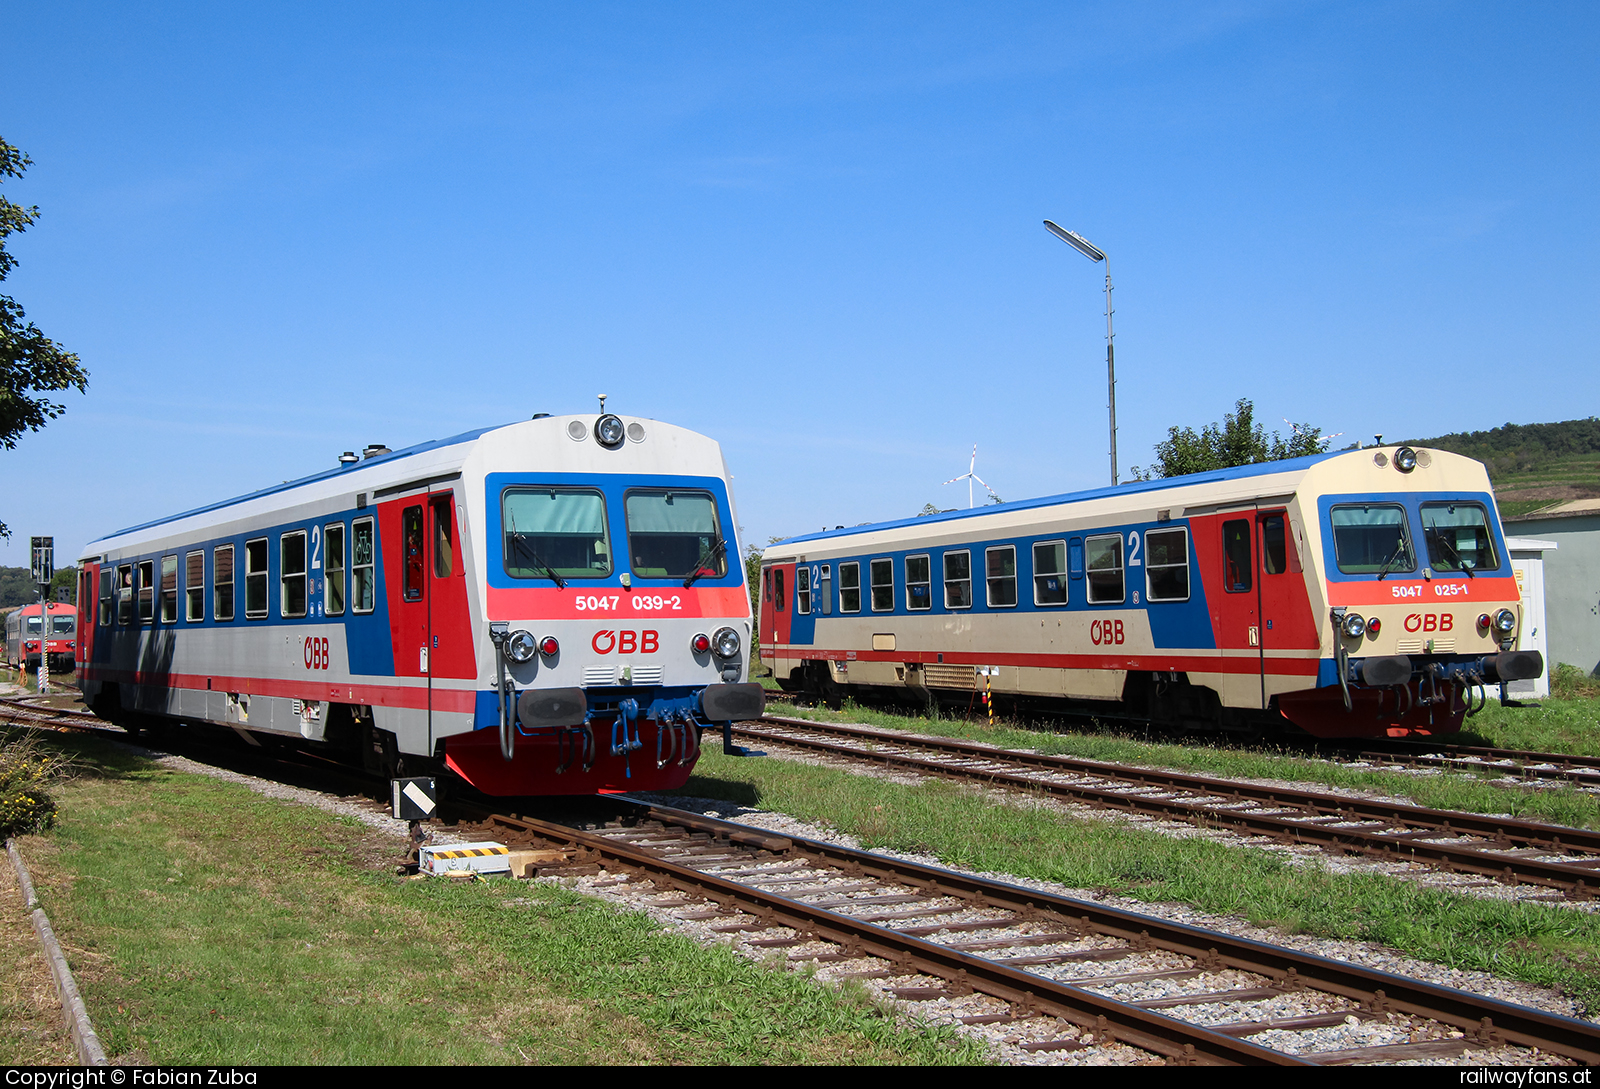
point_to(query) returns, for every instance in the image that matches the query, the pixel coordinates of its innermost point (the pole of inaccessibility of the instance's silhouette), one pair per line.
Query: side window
(125, 593)
(292, 574)
(411, 559)
(1237, 567)
(1105, 569)
(363, 585)
(825, 591)
(333, 544)
(849, 587)
(1000, 569)
(222, 583)
(444, 536)
(255, 579)
(106, 606)
(1050, 573)
(1167, 564)
(1275, 545)
(919, 583)
(882, 575)
(194, 586)
(958, 580)
(147, 591)
(169, 589)
(802, 590)
(778, 600)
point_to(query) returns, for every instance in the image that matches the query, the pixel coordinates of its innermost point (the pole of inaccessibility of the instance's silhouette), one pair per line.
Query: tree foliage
(30, 362)
(1519, 448)
(1238, 440)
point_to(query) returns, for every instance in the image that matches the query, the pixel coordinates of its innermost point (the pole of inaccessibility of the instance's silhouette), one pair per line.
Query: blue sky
(274, 233)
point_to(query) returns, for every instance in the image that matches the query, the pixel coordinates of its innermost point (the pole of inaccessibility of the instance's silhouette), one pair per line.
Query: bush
(26, 771)
(1568, 682)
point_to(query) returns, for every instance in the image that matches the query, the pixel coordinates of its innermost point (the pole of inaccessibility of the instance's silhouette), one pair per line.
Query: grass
(1559, 804)
(1567, 722)
(963, 827)
(207, 924)
(1547, 481)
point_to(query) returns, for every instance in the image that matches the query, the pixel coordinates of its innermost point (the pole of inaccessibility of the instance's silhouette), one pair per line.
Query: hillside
(1533, 465)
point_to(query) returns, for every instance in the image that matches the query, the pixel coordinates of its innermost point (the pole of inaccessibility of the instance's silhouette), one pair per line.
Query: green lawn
(1557, 803)
(207, 924)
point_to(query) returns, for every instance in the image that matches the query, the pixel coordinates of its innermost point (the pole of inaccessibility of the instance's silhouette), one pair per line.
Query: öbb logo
(626, 642)
(1430, 622)
(1106, 632)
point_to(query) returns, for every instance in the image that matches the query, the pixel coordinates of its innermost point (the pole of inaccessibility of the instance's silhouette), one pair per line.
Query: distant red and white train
(35, 630)
(548, 607)
(1351, 594)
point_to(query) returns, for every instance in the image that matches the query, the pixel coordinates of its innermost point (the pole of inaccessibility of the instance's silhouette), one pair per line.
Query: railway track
(1534, 767)
(1060, 974)
(1499, 849)
(1056, 974)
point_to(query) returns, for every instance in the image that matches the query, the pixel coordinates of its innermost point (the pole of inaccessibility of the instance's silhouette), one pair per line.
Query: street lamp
(1094, 253)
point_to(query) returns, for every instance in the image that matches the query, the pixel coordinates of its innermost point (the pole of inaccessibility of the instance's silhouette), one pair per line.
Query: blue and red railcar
(1351, 594)
(548, 607)
(38, 630)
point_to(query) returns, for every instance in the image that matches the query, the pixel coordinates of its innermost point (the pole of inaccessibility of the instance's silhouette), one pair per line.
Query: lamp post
(1094, 253)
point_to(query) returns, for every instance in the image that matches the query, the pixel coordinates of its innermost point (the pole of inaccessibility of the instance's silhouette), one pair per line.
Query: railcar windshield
(35, 625)
(63, 625)
(557, 533)
(674, 534)
(1458, 537)
(1372, 539)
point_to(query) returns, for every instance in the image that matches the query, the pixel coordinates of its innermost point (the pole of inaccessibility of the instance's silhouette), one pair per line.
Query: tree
(30, 362)
(1238, 441)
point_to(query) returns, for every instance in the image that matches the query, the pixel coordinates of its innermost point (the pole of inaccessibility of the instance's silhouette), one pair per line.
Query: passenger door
(1284, 609)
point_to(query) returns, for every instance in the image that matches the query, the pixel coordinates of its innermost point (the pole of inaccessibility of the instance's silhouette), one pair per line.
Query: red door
(1285, 609)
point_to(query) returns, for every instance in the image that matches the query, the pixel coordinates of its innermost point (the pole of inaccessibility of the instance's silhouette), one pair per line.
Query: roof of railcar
(1266, 468)
(329, 474)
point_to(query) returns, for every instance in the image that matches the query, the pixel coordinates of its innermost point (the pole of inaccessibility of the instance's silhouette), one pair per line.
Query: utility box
(484, 858)
(1527, 564)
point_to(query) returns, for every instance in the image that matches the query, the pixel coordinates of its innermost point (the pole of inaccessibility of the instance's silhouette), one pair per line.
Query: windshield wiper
(1435, 537)
(538, 561)
(710, 552)
(1399, 550)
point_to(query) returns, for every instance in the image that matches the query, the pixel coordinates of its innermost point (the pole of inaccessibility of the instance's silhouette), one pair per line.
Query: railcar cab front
(1424, 609)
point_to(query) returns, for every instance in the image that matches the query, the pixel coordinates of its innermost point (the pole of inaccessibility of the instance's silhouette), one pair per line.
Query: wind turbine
(970, 475)
(1325, 440)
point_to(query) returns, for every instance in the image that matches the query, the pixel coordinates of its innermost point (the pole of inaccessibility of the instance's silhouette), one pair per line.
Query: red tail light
(549, 647)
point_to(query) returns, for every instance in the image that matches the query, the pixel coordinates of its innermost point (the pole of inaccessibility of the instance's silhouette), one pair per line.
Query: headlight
(1405, 459)
(520, 647)
(609, 430)
(726, 642)
(1505, 621)
(1353, 625)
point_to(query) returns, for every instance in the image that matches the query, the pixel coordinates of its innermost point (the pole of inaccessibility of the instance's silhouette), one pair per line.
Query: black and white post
(43, 553)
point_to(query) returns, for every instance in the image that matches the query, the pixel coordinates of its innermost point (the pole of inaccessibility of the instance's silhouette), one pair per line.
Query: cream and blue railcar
(1346, 594)
(548, 607)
